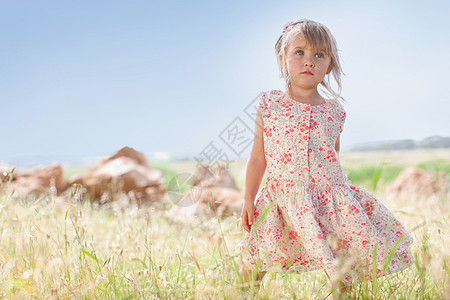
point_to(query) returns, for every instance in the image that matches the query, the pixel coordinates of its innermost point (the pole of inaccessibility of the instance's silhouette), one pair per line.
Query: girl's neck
(306, 96)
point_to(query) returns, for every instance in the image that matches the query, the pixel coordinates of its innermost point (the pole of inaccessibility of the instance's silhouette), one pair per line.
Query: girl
(309, 216)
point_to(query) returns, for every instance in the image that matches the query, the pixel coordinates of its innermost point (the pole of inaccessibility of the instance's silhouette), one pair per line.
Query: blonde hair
(318, 37)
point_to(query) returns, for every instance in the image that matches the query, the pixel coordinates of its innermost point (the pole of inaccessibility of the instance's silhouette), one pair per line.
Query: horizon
(27, 162)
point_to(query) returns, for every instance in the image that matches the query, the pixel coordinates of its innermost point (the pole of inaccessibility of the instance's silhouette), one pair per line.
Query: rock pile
(212, 194)
(127, 171)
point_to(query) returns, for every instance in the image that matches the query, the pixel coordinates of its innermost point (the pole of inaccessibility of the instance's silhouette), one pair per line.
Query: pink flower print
(293, 235)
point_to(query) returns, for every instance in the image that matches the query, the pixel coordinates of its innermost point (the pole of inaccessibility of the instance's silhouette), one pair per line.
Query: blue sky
(85, 78)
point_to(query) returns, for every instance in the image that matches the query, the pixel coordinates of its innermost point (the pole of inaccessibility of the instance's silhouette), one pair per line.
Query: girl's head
(318, 37)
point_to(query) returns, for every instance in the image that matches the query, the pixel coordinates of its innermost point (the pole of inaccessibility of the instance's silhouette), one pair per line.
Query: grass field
(66, 247)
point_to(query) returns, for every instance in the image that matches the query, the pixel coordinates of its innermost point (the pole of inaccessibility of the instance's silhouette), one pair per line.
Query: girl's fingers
(247, 218)
(250, 216)
(245, 221)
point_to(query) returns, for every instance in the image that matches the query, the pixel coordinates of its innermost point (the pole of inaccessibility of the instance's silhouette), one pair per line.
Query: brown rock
(125, 171)
(220, 201)
(138, 157)
(418, 181)
(213, 194)
(207, 202)
(38, 180)
(221, 177)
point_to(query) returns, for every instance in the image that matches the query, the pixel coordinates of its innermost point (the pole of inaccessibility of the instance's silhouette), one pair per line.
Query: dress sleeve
(262, 104)
(342, 115)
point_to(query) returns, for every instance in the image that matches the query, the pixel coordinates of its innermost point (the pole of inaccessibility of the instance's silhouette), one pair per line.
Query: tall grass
(436, 165)
(371, 176)
(66, 247)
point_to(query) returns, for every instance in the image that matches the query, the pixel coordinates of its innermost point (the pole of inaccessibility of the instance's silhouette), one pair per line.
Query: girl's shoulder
(338, 108)
(269, 98)
(275, 93)
(272, 95)
(337, 103)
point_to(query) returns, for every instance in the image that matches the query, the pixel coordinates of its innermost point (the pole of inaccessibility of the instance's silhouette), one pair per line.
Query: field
(67, 247)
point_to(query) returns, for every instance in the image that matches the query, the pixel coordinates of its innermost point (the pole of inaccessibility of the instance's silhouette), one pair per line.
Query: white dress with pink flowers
(308, 215)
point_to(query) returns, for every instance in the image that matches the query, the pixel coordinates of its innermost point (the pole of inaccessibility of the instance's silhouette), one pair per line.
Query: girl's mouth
(307, 73)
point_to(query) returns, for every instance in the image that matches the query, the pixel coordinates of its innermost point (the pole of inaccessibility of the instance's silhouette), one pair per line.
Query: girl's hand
(248, 211)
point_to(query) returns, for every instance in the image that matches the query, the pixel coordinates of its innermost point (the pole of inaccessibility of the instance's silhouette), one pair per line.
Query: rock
(221, 177)
(126, 171)
(418, 181)
(220, 201)
(138, 157)
(212, 195)
(208, 202)
(38, 180)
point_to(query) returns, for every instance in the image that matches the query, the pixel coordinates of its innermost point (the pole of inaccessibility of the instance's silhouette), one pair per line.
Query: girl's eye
(300, 52)
(319, 54)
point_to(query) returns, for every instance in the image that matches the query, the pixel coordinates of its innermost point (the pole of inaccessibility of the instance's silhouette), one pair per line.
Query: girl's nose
(309, 64)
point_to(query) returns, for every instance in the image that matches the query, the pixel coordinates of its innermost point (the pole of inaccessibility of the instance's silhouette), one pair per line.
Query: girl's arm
(256, 164)
(256, 167)
(338, 144)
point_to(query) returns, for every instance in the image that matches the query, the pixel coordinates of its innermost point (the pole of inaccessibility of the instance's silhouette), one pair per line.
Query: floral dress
(309, 216)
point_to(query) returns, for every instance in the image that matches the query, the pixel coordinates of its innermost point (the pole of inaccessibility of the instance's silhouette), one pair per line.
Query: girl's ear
(282, 62)
(280, 58)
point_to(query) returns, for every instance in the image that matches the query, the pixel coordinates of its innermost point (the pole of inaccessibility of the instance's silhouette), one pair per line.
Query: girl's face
(306, 66)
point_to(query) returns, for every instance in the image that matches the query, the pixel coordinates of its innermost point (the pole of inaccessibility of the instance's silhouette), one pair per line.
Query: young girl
(309, 216)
